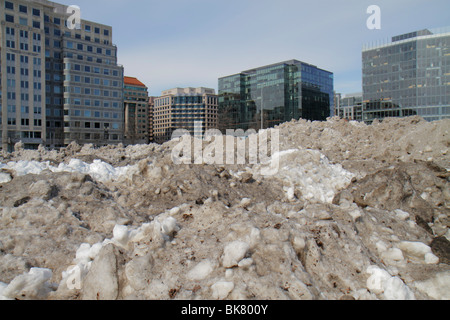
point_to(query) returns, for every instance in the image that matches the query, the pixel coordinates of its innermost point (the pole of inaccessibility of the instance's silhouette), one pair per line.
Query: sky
(191, 43)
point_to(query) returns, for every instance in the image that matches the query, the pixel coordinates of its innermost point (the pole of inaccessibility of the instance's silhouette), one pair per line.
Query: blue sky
(181, 43)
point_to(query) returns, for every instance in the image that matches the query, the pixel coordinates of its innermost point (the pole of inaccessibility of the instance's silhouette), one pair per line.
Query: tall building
(136, 105)
(410, 75)
(180, 108)
(267, 96)
(58, 84)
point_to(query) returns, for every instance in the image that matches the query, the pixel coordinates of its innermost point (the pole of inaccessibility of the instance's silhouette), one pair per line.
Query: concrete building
(136, 112)
(268, 96)
(410, 75)
(58, 84)
(179, 108)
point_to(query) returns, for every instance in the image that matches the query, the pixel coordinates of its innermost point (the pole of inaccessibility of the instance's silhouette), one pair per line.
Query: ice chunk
(201, 271)
(377, 281)
(121, 235)
(169, 226)
(31, 285)
(5, 177)
(393, 288)
(417, 250)
(436, 287)
(233, 253)
(221, 289)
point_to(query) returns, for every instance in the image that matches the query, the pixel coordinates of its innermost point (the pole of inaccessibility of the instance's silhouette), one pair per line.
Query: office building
(180, 108)
(350, 106)
(136, 113)
(410, 75)
(58, 84)
(267, 96)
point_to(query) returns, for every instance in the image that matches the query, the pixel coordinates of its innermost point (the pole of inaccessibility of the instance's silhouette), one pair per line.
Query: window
(36, 12)
(23, 9)
(106, 32)
(87, 28)
(69, 44)
(9, 5)
(23, 21)
(10, 44)
(9, 18)
(36, 24)
(10, 31)
(80, 46)
(57, 21)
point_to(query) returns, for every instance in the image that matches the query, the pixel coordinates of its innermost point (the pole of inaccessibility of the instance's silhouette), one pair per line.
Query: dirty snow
(354, 212)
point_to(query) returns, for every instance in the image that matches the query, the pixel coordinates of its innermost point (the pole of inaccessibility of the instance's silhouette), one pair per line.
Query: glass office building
(268, 96)
(408, 76)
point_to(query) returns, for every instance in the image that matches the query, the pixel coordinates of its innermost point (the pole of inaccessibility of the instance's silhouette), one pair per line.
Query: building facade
(58, 84)
(180, 108)
(408, 76)
(136, 113)
(267, 96)
(151, 118)
(350, 107)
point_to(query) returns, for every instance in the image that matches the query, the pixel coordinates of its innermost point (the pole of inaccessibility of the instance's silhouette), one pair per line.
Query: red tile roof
(133, 82)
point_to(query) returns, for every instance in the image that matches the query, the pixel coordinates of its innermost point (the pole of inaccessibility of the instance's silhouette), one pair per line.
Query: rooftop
(133, 82)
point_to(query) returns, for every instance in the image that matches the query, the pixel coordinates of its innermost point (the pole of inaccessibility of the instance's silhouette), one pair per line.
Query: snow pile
(353, 212)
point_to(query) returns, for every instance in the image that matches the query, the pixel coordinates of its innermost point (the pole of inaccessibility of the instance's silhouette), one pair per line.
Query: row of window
(89, 102)
(95, 70)
(23, 71)
(88, 48)
(37, 13)
(22, 21)
(22, 9)
(95, 114)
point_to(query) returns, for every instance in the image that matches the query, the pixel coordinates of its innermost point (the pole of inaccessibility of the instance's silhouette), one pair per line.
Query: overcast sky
(191, 43)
